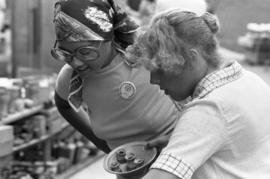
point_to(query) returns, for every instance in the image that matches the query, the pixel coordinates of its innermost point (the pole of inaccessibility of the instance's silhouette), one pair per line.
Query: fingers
(159, 142)
(154, 143)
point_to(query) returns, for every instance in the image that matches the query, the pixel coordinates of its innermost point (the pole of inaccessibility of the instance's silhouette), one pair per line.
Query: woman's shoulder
(65, 73)
(63, 81)
(65, 70)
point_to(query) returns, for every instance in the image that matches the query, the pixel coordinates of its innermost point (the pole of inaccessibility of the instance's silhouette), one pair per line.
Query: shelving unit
(21, 115)
(31, 143)
(51, 114)
(259, 58)
(80, 166)
(37, 141)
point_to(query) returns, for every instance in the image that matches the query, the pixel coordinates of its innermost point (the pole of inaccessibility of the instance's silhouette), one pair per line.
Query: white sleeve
(200, 132)
(63, 81)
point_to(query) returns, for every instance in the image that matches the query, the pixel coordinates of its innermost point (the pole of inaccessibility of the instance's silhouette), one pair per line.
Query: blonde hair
(166, 43)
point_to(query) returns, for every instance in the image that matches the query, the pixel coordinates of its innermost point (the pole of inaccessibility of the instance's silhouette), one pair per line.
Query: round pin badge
(127, 90)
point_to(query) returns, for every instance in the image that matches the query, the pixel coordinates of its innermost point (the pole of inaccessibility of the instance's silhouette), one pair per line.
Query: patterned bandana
(81, 20)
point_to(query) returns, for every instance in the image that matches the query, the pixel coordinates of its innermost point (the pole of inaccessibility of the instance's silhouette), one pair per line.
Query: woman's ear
(194, 57)
(198, 63)
(194, 53)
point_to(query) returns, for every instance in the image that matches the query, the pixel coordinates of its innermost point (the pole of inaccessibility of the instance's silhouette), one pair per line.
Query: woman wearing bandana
(121, 104)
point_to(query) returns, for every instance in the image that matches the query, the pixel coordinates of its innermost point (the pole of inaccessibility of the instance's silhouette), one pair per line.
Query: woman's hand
(121, 177)
(159, 142)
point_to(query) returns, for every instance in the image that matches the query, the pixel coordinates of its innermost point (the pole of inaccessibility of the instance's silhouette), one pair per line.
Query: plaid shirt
(217, 79)
(174, 164)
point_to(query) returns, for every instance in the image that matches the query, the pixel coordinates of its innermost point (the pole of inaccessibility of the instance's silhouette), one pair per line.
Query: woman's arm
(80, 121)
(156, 173)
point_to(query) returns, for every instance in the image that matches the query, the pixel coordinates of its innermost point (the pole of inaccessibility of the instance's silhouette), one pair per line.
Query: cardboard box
(5, 166)
(6, 140)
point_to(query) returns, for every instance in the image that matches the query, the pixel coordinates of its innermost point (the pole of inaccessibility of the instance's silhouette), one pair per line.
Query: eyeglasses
(85, 53)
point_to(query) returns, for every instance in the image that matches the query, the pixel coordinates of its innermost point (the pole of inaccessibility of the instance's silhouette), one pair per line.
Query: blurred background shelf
(31, 143)
(80, 166)
(11, 118)
(37, 141)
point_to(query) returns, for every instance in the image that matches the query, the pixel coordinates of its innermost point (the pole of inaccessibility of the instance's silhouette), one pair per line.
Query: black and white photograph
(134, 89)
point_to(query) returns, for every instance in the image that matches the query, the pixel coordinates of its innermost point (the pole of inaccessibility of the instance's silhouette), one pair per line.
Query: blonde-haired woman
(224, 131)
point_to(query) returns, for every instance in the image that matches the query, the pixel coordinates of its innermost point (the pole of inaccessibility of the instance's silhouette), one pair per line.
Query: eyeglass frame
(66, 54)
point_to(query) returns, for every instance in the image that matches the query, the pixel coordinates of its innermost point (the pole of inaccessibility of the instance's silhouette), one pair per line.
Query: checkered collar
(217, 79)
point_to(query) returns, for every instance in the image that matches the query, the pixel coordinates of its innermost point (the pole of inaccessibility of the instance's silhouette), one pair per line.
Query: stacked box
(5, 166)
(6, 140)
(6, 143)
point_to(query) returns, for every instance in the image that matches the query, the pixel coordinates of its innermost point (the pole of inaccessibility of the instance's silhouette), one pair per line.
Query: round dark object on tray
(138, 162)
(115, 166)
(120, 155)
(140, 159)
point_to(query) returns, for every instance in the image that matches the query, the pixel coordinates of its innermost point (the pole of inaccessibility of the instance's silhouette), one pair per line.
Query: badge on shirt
(127, 90)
